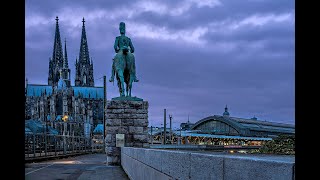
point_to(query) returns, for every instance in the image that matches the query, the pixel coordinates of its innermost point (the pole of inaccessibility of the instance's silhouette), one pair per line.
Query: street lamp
(65, 119)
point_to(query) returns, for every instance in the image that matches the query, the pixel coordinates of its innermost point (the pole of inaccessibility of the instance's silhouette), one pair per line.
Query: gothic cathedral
(58, 102)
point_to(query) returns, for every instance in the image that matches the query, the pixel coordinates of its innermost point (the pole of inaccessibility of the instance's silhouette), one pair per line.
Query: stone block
(113, 160)
(128, 138)
(115, 111)
(129, 144)
(117, 104)
(123, 130)
(142, 116)
(113, 122)
(253, 168)
(113, 151)
(154, 158)
(130, 111)
(176, 164)
(110, 138)
(112, 129)
(140, 138)
(135, 130)
(111, 144)
(145, 130)
(141, 154)
(206, 166)
(140, 122)
(134, 153)
(138, 144)
(127, 122)
(142, 111)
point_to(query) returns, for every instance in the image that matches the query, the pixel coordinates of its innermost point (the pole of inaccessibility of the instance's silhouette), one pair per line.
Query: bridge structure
(41, 146)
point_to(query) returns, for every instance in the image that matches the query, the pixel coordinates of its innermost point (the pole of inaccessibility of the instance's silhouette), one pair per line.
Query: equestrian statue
(123, 66)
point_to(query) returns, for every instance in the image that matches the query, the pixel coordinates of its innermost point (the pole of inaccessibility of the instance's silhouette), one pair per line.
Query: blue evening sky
(193, 56)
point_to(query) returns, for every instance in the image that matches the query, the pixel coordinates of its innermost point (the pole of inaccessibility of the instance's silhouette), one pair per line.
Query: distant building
(234, 126)
(226, 130)
(58, 102)
(187, 125)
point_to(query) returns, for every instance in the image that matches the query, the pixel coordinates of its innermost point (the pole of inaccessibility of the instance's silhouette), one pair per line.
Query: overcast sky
(193, 57)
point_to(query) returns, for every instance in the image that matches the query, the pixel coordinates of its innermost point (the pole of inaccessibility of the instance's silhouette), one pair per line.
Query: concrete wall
(149, 164)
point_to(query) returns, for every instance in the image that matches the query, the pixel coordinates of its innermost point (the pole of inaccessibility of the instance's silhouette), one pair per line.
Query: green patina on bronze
(123, 67)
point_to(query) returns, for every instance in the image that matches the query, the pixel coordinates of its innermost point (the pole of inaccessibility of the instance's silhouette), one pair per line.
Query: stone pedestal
(129, 118)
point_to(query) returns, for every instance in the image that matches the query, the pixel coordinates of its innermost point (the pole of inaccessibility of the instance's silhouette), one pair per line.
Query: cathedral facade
(73, 109)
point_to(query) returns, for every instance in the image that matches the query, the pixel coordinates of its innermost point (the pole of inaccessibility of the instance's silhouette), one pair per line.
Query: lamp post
(65, 119)
(163, 133)
(164, 124)
(170, 117)
(151, 136)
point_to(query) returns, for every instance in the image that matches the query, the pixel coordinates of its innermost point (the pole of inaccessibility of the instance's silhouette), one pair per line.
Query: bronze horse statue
(123, 69)
(123, 65)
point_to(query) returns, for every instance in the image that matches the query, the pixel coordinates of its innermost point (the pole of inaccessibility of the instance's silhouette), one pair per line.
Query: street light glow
(65, 118)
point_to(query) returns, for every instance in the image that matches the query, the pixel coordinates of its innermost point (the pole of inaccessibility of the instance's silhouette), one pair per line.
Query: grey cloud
(254, 78)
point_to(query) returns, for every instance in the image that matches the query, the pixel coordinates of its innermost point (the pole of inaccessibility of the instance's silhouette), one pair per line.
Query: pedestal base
(128, 118)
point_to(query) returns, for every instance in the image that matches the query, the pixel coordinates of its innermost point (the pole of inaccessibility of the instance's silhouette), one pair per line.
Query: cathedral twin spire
(59, 63)
(84, 68)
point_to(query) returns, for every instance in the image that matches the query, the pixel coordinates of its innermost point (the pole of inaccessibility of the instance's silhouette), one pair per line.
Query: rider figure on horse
(124, 49)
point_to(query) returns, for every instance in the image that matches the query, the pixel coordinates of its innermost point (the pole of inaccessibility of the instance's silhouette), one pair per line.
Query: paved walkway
(91, 166)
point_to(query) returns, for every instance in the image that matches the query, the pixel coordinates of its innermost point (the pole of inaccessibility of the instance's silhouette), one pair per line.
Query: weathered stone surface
(253, 168)
(112, 129)
(135, 130)
(110, 138)
(113, 122)
(145, 130)
(128, 138)
(140, 122)
(123, 130)
(176, 164)
(129, 144)
(127, 104)
(142, 116)
(206, 166)
(129, 118)
(113, 151)
(194, 166)
(111, 144)
(142, 111)
(137, 144)
(146, 145)
(140, 138)
(115, 111)
(113, 160)
(127, 122)
(130, 111)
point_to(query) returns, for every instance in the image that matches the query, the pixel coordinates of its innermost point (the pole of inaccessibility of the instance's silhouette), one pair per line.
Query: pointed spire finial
(65, 62)
(57, 19)
(226, 113)
(83, 21)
